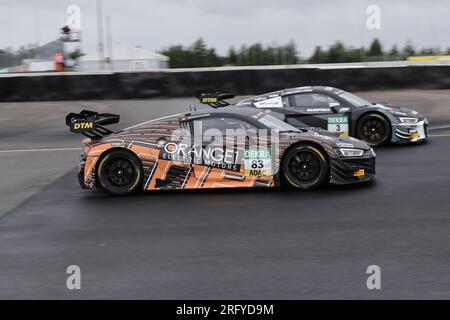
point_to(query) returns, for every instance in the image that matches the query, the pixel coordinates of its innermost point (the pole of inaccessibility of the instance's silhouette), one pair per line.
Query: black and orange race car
(220, 148)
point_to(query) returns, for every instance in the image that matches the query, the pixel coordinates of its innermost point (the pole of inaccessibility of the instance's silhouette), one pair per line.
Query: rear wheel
(120, 172)
(305, 167)
(374, 129)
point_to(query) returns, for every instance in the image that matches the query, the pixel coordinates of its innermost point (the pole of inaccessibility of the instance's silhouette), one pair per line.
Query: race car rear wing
(90, 123)
(216, 99)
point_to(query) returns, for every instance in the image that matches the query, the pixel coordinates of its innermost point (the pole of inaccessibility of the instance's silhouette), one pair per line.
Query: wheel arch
(309, 143)
(306, 142)
(385, 115)
(107, 152)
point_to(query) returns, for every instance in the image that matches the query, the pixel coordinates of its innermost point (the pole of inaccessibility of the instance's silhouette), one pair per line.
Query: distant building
(124, 57)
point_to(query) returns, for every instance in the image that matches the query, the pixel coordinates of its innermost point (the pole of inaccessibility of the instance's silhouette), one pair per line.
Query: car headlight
(373, 152)
(351, 152)
(408, 120)
(396, 113)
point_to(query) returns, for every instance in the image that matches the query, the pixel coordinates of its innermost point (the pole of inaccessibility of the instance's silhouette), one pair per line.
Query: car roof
(227, 110)
(289, 91)
(242, 112)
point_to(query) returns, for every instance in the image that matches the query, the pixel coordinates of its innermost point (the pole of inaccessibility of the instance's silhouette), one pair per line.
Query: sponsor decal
(210, 156)
(276, 102)
(318, 110)
(209, 99)
(359, 173)
(257, 162)
(338, 124)
(81, 126)
(338, 120)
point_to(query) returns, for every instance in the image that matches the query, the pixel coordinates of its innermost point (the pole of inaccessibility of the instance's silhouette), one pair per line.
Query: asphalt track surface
(230, 244)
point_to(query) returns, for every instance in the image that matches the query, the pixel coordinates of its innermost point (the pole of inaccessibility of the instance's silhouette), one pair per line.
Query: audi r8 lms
(204, 149)
(339, 111)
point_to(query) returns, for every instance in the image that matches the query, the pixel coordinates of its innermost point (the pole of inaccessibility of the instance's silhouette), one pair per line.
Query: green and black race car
(338, 111)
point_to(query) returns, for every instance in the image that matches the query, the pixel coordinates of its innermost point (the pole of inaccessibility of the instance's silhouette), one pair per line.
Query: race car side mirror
(334, 106)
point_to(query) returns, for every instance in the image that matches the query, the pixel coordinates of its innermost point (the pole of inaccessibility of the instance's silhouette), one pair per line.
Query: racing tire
(305, 167)
(374, 129)
(120, 172)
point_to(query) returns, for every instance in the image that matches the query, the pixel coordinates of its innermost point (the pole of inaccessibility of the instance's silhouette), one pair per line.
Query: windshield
(274, 123)
(354, 100)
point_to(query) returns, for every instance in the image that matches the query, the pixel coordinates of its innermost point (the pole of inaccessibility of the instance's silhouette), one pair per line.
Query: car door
(217, 156)
(231, 162)
(314, 109)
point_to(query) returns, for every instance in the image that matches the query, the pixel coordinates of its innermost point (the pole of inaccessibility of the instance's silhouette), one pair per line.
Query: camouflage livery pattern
(162, 174)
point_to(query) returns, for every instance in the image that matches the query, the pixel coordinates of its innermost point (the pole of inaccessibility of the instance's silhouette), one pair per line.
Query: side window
(218, 124)
(165, 129)
(316, 100)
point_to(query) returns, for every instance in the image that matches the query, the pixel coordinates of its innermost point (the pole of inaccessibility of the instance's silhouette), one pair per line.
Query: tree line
(200, 55)
(13, 58)
(10, 57)
(339, 53)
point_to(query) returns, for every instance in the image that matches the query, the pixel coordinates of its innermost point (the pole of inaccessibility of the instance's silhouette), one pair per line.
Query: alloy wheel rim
(373, 131)
(120, 172)
(305, 166)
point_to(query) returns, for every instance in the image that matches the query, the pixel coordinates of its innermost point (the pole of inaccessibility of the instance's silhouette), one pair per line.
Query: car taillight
(86, 150)
(86, 145)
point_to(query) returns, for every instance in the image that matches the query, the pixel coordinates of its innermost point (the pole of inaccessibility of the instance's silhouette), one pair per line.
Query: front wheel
(120, 172)
(374, 129)
(305, 167)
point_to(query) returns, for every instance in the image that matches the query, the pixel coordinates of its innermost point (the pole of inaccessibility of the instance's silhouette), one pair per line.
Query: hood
(345, 142)
(398, 111)
(334, 139)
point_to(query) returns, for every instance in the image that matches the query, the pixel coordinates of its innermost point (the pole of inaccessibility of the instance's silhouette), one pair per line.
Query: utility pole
(109, 41)
(36, 23)
(100, 34)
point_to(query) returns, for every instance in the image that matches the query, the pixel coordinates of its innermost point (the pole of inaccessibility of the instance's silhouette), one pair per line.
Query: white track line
(439, 127)
(439, 135)
(39, 150)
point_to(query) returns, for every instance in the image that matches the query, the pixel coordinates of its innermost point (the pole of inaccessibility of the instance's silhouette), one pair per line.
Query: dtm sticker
(81, 126)
(257, 163)
(338, 124)
(209, 99)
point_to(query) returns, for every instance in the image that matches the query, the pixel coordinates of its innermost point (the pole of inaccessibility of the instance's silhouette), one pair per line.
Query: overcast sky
(154, 24)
